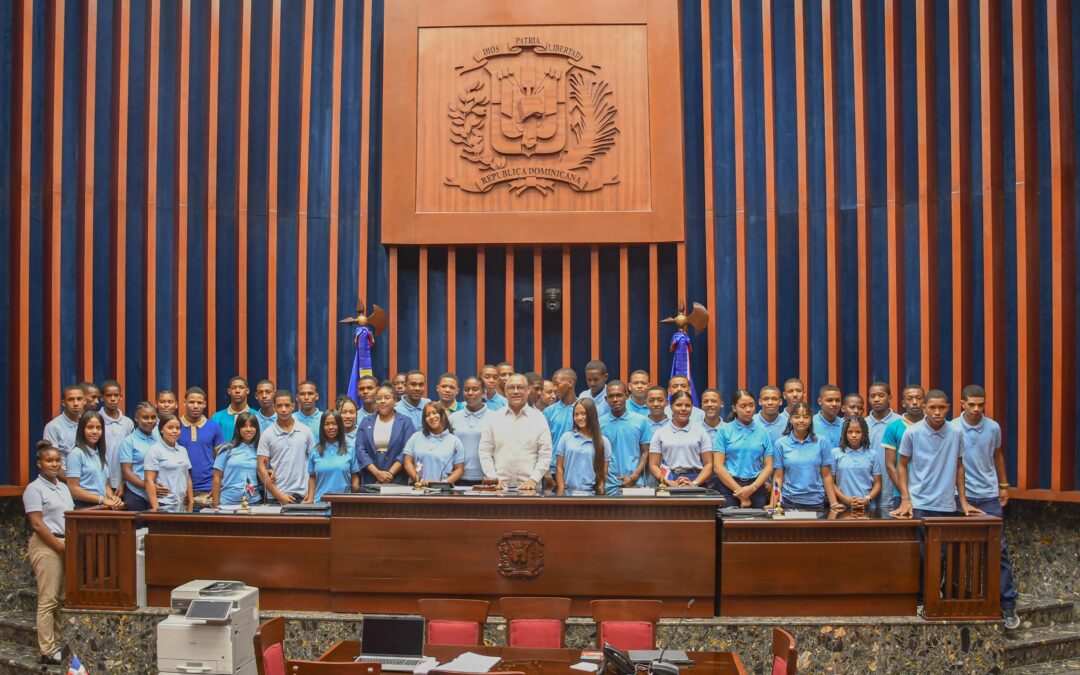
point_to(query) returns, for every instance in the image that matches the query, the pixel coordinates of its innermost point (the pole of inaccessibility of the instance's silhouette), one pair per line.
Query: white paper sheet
(471, 663)
(584, 666)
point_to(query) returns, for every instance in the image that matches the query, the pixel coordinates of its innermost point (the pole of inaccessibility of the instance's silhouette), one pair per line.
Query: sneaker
(920, 610)
(51, 659)
(1012, 620)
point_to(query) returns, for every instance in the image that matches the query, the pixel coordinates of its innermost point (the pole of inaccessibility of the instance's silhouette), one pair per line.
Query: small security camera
(553, 299)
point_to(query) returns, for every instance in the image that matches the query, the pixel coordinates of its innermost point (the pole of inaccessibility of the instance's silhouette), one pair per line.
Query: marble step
(1045, 644)
(1066, 667)
(18, 658)
(18, 627)
(24, 599)
(1040, 612)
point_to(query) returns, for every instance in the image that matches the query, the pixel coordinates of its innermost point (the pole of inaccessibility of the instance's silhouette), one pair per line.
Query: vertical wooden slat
(153, 64)
(894, 191)
(422, 312)
(624, 313)
(993, 182)
(180, 207)
(740, 193)
(392, 312)
(771, 244)
(710, 205)
(302, 195)
(1028, 359)
(365, 149)
(481, 307)
(680, 268)
(53, 187)
(566, 304)
(121, 65)
(928, 206)
(333, 326)
(594, 300)
(87, 125)
(960, 195)
(538, 310)
(1063, 241)
(508, 305)
(803, 135)
(654, 313)
(243, 135)
(210, 327)
(863, 198)
(19, 268)
(830, 84)
(272, 193)
(451, 309)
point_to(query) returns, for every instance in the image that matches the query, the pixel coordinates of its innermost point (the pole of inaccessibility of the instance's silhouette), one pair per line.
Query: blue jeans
(758, 500)
(992, 507)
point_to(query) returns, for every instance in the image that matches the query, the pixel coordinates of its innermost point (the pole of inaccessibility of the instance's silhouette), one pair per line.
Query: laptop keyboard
(393, 660)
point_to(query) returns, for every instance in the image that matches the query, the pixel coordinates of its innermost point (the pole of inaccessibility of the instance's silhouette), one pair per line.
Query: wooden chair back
(269, 647)
(535, 622)
(619, 614)
(785, 653)
(455, 622)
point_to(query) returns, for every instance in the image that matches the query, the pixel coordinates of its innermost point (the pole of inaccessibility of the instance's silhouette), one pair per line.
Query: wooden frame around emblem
(634, 210)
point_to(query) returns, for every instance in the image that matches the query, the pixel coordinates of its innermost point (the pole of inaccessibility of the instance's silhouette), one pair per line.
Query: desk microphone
(659, 667)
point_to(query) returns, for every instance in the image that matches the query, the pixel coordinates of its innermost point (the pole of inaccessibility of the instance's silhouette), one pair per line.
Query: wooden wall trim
(481, 308)
(928, 206)
(180, 195)
(85, 209)
(153, 64)
(863, 206)
(303, 181)
(365, 146)
(566, 304)
(213, 85)
(772, 331)
(272, 192)
(960, 195)
(334, 224)
(52, 187)
(740, 193)
(710, 206)
(894, 195)
(1028, 427)
(1063, 240)
(993, 188)
(121, 66)
(803, 135)
(833, 255)
(243, 135)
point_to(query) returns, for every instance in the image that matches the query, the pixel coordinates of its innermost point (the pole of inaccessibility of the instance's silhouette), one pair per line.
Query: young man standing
(238, 403)
(504, 371)
(283, 453)
(117, 428)
(827, 423)
(366, 387)
(853, 405)
(93, 395)
(548, 395)
(629, 435)
(912, 399)
(489, 375)
(447, 389)
(264, 394)
(200, 437)
(794, 392)
(536, 389)
(639, 388)
(412, 403)
(770, 416)
(985, 480)
(399, 385)
(60, 431)
(307, 395)
(166, 403)
(596, 376)
(682, 383)
(560, 414)
(880, 417)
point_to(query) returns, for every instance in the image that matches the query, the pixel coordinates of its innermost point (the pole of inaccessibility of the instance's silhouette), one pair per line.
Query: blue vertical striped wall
(318, 307)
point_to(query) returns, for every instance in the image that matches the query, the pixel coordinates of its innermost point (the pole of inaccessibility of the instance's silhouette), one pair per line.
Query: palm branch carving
(592, 117)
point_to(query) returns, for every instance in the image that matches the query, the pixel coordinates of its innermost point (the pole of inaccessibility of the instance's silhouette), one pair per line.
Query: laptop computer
(676, 656)
(395, 642)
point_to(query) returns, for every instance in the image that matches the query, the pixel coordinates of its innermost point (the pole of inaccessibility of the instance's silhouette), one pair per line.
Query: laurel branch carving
(467, 118)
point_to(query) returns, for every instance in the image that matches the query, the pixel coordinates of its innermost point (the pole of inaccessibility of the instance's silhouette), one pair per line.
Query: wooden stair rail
(100, 559)
(962, 581)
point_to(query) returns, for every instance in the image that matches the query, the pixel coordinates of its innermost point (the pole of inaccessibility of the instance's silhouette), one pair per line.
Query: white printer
(210, 630)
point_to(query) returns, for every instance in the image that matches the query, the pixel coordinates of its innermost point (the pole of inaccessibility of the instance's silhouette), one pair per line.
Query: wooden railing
(962, 568)
(100, 560)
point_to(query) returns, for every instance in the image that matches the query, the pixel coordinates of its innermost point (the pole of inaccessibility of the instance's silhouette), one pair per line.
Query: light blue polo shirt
(438, 453)
(680, 447)
(776, 427)
(265, 421)
(468, 425)
(602, 407)
(173, 471)
(226, 421)
(578, 453)
(828, 431)
(415, 413)
(350, 439)
(60, 432)
(496, 401)
(854, 470)
(333, 470)
(653, 425)
(116, 430)
(981, 441)
(49, 499)
(311, 421)
(239, 466)
(133, 452)
(712, 431)
(362, 415)
(801, 462)
(625, 435)
(89, 469)
(890, 440)
(633, 407)
(560, 419)
(745, 447)
(877, 432)
(932, 468)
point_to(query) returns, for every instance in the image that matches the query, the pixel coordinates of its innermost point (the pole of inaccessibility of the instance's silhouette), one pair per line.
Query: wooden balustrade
(100, 560)
(967, 570)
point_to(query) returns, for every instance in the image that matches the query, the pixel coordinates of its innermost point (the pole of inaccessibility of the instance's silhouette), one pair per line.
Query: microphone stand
(661, 667)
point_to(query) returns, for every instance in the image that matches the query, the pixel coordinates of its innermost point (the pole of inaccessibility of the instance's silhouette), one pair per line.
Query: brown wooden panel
(772, 331)
(121, 68)
(631, 187)
(960, 197)
(740, 198)
(870, 568)
(272, 141)
(894, 192)
(213, 81)
(863, 206)
(1028, 429)
(993, 156)
(243, 135)
(710, 208)
(333, 326)
(52, 196)
(181, 20)
(302, 201)
(832, 185)
(1063, 239)
(481, 308)
(594, 301)
(100, 560)
(85, 205)
(149, 327)
(803, 133)
(928, 206)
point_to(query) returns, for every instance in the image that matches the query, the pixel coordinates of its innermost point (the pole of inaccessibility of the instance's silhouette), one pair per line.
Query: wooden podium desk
(388, 551)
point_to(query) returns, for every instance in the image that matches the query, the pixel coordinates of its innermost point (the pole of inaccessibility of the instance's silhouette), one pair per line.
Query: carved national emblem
(532, 114)
(521, 555)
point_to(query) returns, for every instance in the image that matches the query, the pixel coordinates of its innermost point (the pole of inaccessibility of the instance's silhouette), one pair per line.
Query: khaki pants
(48, 568)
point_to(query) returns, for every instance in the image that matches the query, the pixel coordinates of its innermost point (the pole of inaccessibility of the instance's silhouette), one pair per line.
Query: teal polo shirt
(626, 434)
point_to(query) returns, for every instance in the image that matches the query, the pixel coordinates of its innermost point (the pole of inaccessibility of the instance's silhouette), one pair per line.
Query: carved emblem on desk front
(532, 115)
(521, 555)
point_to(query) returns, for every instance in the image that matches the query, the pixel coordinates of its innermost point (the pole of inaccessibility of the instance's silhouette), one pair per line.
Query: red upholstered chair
(626, 624)
(454, 622)
(535, 623)
(785, 655)
(269, 647)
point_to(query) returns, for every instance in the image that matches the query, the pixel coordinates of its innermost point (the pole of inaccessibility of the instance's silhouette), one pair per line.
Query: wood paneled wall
(875, 190)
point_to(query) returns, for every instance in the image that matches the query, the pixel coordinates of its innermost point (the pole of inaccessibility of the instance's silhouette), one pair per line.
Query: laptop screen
(392, 635)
